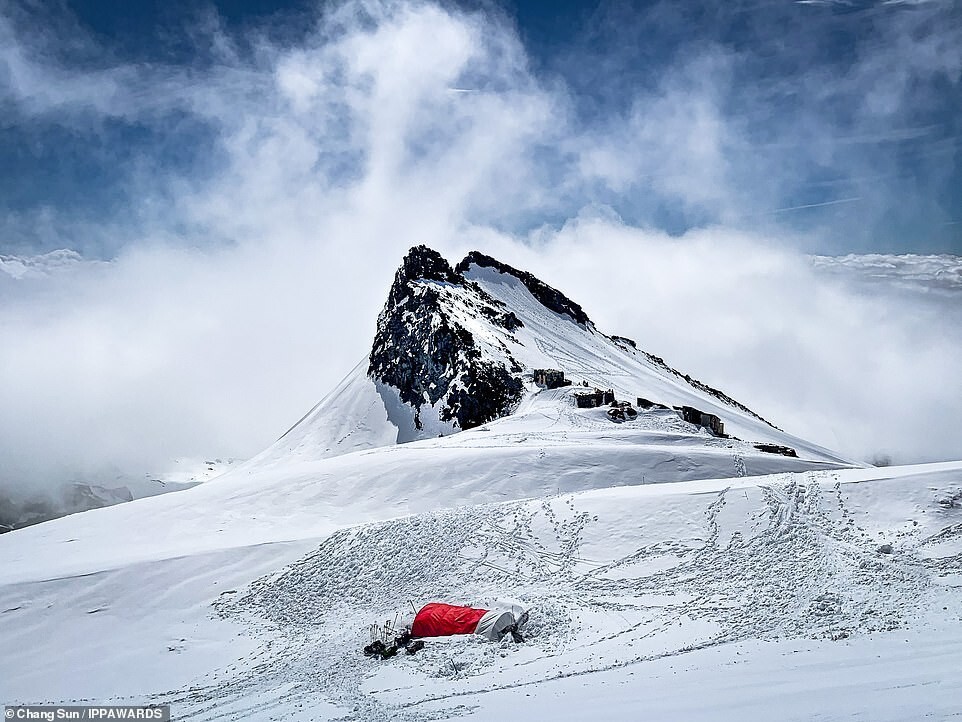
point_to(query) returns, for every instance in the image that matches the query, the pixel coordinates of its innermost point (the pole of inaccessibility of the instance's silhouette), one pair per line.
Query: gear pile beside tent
(442, 620)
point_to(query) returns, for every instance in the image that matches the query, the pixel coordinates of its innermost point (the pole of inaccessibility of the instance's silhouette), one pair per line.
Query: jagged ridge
(549, 297)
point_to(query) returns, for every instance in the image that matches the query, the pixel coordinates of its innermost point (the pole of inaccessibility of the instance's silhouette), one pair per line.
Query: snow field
(613, 579)
(733, 589)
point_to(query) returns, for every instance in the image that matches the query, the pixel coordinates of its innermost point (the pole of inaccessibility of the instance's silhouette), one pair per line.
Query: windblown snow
(669, 573)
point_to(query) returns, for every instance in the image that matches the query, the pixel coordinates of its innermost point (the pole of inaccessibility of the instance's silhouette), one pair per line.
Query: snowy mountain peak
(482, 345)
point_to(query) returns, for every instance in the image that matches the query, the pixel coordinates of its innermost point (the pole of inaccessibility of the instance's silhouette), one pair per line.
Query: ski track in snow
(784, 559)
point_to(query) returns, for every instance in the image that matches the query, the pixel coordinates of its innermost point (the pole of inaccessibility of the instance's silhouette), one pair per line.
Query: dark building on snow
(700, 418)
(550, 378)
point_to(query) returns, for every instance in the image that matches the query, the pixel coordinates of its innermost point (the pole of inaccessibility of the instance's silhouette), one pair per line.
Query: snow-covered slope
(350, 418)
(532, 454)
(830, 594)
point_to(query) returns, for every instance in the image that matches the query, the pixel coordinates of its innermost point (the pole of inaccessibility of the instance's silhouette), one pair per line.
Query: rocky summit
(424, 349)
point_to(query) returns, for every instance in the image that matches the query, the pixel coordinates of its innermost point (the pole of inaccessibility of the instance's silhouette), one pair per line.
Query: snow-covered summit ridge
(550, 298)
(447, 340)
(455, 349)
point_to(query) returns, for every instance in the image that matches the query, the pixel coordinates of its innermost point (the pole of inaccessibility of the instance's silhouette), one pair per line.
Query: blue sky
(837, 125)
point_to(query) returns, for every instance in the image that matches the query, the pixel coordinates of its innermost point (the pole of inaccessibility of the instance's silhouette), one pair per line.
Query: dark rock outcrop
(421, 263)
(423, 351)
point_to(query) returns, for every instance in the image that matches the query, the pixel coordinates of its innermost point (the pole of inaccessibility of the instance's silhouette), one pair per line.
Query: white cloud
(674, 140)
